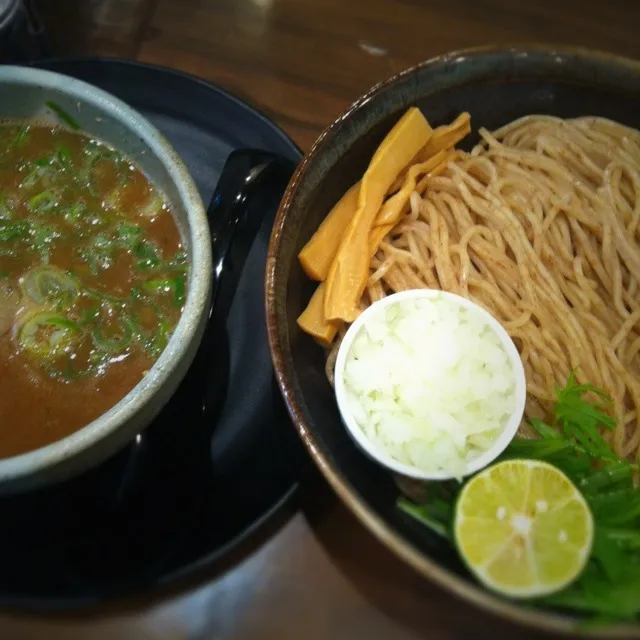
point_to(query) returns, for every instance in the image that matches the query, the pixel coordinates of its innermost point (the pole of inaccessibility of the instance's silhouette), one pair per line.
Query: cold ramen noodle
(92, 281)
(538, 224)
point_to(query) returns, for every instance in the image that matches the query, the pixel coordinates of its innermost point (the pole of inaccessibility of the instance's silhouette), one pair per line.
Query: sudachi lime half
(523, 528)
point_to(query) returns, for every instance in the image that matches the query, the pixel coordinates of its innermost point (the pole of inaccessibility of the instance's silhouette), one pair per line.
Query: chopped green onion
(146, 254)
(153, 206)
(175, 285)
(100, 295)
(89, 316)
(178, 263)
(48, 335)
(89, 169)
(99, 254)
(60, 158)
(153, 342)
(157, 286)
(159, 340)
(21, 137)
(5, 210)
(13, 230)
(43, 202)
(34, 176)
(46, 285)
(179, 291)
(96, 154)
(116, 341)
(45, 161)
(66, 185)
(41, 238)
(74, 212)
(128, 234)
(62, 115)
(63, 155)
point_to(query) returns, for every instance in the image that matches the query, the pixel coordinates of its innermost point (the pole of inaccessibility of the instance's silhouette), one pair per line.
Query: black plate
(189, 489)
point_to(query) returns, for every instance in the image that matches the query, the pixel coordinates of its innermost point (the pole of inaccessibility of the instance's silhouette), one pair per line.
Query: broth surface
(92, 282)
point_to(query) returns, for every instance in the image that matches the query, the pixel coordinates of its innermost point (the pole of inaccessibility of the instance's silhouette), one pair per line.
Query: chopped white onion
(429, 382)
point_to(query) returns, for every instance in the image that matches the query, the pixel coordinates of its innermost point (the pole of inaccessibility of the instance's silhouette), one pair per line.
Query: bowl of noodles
(510, 177)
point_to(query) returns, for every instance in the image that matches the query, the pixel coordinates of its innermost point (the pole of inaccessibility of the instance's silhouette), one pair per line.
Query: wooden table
(315, 573)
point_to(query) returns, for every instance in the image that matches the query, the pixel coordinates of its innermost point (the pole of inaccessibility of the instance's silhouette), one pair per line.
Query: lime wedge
(523, 528)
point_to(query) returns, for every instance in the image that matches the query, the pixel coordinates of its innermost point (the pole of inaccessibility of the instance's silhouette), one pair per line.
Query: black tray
(189, 489)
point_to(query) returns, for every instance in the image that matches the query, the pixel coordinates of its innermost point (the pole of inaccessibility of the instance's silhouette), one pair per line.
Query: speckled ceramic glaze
(23, 93)
(495, 86)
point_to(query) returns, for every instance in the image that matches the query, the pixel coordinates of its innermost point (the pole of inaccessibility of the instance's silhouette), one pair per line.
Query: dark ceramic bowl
(495, 86)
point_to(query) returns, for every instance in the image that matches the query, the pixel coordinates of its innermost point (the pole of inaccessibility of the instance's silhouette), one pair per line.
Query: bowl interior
(495, 87)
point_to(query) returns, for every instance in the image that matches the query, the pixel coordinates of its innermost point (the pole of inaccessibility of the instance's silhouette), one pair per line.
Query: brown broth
(92, 282)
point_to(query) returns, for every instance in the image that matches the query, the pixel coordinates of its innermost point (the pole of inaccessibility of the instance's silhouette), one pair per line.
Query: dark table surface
(314, 572)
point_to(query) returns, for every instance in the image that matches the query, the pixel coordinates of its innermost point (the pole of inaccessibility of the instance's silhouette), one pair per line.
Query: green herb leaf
(609, 588)
(608, 477)
(626, 538)
(432, 516)
(616, 508)
(608, 554)
(582, 420)
(595, 593)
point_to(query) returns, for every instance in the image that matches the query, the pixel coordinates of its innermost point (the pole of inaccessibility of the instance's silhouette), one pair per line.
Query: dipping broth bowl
(25, 92)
